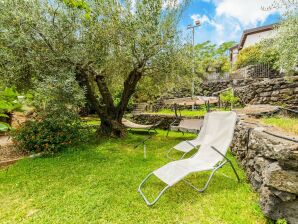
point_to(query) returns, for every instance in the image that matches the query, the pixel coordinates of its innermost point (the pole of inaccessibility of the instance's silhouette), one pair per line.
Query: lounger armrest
(229, 161)
(195, 146)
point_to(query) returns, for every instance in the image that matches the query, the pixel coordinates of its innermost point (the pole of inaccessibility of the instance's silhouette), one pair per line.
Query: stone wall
(147, 118)
(272, 91)
(208, 88)
(250, 91)
(271, 165)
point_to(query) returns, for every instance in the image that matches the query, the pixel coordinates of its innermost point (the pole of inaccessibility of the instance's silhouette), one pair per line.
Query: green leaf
(4, 115)
(4, 126)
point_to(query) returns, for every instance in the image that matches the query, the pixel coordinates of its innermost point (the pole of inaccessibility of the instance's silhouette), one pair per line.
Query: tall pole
(197, 23)
(193, 67)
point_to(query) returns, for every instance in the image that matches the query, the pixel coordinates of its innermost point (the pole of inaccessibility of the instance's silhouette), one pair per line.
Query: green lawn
(187, 113)
(97, 183)
(287, 124)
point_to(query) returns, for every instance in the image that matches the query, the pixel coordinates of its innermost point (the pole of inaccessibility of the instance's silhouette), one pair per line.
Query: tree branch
(103, 88)
(83, 79)
(129, 88)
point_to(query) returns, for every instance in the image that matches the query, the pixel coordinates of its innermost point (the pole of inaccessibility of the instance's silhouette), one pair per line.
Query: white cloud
(247, 12)
(205, 20)
(231, 18)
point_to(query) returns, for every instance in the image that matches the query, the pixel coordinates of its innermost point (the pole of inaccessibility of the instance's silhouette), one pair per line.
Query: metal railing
(258, 71)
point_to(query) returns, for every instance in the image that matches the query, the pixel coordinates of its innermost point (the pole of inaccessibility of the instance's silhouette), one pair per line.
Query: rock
(259, 110)
(270, 164)
(265, 94)
(290, 210)
(284, 196)
(280, 179)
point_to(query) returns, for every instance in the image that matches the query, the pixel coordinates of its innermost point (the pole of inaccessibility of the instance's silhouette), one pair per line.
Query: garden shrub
(228, 98)
(257, 54)
(53, 133)
(8, 104)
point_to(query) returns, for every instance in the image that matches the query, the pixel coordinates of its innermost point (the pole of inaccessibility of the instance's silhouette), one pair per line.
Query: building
(251, 37)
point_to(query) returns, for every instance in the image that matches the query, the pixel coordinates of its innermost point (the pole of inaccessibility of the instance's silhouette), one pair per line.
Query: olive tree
(106, 46)
(286, 38)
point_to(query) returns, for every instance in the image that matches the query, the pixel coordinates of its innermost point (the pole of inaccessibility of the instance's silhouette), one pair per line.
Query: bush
(53, 133)
(228, 98)
(257, 54)
(8, 104)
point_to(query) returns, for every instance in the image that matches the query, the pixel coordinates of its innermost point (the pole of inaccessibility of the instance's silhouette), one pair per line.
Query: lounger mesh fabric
(188, 125)
(204, 135)
(217, 131)
(130, 124)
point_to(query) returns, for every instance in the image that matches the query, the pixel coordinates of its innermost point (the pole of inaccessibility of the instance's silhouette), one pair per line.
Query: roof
(233, 47)
(253, 31)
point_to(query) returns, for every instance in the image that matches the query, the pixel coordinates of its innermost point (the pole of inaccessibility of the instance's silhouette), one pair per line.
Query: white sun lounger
(203, 138)
(219, 129)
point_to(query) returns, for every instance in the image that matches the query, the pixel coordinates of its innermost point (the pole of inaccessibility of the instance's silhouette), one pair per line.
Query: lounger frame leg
(208, 181)
(229, 161)
(143, 195)
(173, 159)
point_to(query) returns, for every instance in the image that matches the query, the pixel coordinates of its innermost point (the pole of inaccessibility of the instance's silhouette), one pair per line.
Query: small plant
(52, 133)
(8, 104)
(228, 98)
(281, 221)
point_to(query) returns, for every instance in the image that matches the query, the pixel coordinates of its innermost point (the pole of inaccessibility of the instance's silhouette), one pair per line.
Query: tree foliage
(105, 47)
(257, 54)
(286, 43)
(286, 38)
(8, 104)
(212, 58)
(228, 98)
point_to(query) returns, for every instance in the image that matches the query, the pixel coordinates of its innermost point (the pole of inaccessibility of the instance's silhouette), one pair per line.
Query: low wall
(271, 165)
(249, 91)
(147, 118)
(272, 91)
(208, 88)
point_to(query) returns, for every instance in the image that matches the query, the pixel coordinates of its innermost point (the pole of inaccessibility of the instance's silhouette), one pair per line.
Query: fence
(217, 77)
(252, 71)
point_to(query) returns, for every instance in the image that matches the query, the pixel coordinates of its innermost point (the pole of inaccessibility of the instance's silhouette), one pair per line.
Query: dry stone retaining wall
(250, 91)
(147, 118)
(272, 91)
(271, 165)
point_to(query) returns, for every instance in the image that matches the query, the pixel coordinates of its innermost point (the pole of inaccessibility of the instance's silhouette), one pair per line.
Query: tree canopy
(286, 38)
(212, 58)
(97, 48)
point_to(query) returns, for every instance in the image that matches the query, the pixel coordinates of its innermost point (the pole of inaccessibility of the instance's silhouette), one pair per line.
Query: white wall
(234, 55)
(252, 39)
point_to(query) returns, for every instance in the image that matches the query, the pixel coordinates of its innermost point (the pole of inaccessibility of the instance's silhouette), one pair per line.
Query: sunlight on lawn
(287, 124)
(97, 183)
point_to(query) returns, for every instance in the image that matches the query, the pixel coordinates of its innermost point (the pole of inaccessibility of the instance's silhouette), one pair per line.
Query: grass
(97, 183)
(188, 113)
(287, 124)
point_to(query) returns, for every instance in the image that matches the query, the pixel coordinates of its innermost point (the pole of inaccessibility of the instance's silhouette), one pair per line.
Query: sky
(225, 20)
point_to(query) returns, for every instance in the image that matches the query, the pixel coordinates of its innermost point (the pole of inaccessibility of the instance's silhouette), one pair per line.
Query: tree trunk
(109, 114)
(112, 127)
